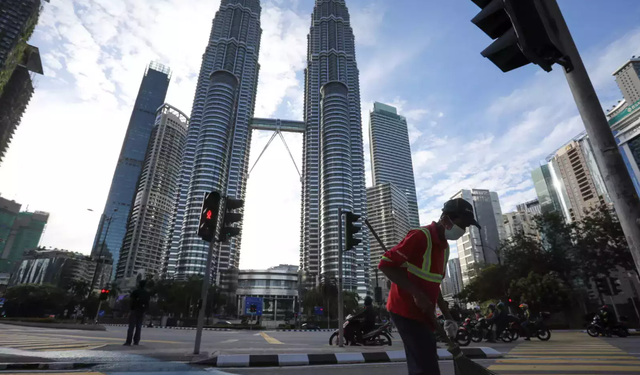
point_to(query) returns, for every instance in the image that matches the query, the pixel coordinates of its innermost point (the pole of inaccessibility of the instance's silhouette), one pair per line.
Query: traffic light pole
(615, 174)
(203, 297)
(615, 309)
(340, 302)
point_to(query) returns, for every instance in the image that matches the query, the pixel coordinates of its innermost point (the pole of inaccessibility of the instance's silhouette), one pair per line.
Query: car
(310, 326)
(224, 323)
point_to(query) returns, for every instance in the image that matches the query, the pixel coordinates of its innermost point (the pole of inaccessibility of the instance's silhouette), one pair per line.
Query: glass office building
(113, 223)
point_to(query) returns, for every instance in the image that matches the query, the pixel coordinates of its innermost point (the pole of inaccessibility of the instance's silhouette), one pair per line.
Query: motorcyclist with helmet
(499, 319)
(368, 321)
(607, 318)
(526, 320)
(477, 313)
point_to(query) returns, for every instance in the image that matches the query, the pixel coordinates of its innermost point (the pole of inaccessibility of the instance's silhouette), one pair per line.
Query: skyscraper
(624, 118)
(18, 19)
(388, 214)
(217, 150)
(152, 214)
(545, 190)
(333, 156)
(151, 95)
(578, 181)
(478, 246)
(19, 231)
(391, 154)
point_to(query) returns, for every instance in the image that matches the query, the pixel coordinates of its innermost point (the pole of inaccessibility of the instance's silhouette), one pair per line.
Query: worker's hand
(424, 303)
(451, 327)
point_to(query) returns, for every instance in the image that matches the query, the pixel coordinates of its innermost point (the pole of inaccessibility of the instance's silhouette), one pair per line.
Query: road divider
(277, 360)
(181, 328)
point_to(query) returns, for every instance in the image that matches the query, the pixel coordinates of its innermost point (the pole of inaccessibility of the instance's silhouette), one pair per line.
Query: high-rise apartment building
(628, 80)
(480, 246)
(388, 214)
(113, 223)
(531, 207)
(519, 222)
(333, 156)
(152, 215)
(624, 118)
(18, 19)
(391, 154)
(216, 154)
(19, 231)
(577, 179)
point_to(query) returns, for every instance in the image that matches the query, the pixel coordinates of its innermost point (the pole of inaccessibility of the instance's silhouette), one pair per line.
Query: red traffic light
(510, 300)
(104, 291)
(209, 214)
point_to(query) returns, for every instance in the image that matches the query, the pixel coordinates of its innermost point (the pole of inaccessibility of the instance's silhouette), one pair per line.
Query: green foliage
(326, 295)
(180, 298)
(35, 300)
(541, 292)
(548, 269)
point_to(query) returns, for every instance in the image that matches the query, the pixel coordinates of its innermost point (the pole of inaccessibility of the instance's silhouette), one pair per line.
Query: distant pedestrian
(139, 304)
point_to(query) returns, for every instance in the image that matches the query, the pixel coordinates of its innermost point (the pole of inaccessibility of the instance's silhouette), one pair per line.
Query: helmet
(368, 301)
(500, 305)
(492, 306)
(523, 306)
(604, 307)
(477, 308)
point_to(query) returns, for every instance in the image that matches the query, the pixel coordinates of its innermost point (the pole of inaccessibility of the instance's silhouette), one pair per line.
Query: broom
(461, 363)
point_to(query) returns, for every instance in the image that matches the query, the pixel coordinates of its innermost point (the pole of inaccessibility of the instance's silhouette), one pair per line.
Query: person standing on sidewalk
(416, 267)
(139, 304)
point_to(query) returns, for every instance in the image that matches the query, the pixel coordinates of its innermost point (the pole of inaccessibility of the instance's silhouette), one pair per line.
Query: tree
(541, 292)
(490, 283)
(35, 300)
(602, 244)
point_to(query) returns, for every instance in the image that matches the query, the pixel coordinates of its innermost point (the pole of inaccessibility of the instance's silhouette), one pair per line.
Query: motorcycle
(536, 328)
(380, 336)
(481, 330)
(597, 328)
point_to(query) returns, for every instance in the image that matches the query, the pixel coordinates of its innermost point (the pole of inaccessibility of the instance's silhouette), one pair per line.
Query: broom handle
(432, 319)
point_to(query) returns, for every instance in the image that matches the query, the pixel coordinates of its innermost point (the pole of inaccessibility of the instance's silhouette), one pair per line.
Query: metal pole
(615, 310)
(340, 302)
(614, 172)
(95, 273)
(203, 297)
(95, 321)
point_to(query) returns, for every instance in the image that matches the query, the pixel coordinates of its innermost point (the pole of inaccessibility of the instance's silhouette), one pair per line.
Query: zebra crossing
(22, 341)
(567, 353)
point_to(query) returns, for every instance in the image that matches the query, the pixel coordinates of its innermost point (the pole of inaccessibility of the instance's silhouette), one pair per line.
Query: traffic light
(209, 216)
(352, 228)
(603, 286)
(230, 217)
(104, 294)
(522, 32)
(616, 288)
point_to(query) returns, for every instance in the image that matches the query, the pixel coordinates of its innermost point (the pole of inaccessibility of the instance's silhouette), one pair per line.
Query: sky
(471, 126)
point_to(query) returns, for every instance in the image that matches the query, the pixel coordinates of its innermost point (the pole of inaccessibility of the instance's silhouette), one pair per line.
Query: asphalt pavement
(170, 351)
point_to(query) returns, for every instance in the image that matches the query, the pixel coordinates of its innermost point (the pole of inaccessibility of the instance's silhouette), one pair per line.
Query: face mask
(454, 233)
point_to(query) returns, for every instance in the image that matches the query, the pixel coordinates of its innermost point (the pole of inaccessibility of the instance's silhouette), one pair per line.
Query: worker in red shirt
(416, 267)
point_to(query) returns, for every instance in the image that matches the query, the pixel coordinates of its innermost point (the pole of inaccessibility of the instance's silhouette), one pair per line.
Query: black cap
(461, 208)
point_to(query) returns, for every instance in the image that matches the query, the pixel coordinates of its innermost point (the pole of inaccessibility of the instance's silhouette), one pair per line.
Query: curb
(277, 360)
(182, 328)
(306, 330)
(45, 366)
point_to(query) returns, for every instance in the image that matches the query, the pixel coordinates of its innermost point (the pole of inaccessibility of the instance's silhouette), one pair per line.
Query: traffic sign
(2, 302)
(318, 310)
(257, 302)
(101, 313)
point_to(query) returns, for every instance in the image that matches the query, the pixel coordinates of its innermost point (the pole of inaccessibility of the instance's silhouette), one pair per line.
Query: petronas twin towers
(217, 151)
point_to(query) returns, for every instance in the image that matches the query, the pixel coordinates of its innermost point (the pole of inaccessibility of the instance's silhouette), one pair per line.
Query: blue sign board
(318, 310)
(248, 301)
(101, 313)
(2, 302)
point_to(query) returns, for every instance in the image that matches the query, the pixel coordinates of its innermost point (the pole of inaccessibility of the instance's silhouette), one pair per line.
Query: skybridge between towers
(278, 126)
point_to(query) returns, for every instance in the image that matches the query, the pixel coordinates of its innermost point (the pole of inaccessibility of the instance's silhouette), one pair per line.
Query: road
(566, 352)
